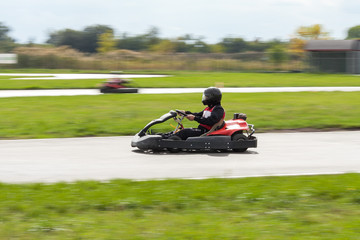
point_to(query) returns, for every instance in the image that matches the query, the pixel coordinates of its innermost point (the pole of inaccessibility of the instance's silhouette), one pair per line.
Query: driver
(211, 115)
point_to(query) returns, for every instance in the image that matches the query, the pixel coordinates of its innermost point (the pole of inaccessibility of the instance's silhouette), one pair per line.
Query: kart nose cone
(135, 140)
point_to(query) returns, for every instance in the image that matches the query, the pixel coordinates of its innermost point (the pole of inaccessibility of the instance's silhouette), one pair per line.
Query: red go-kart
(235, 134)
(117, 86)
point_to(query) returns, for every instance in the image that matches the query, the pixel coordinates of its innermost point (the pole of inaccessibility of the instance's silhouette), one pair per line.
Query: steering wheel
(181, 113)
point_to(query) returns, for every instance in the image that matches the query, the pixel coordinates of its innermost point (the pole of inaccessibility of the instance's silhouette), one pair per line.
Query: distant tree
(261, 46)
(106, 42)
(6, 43)
(184, 43)
(180, 45)
(277, 54)
(66, 37)
(90, 37)
(201, 47)
(164, 46)
(139, 42)
(216, 48)
(85, 41)
(305, 33)
(312, 32)
(354, 32)
(189, 43)
(152, 36)
(297, 45)
(3, 32)
(233, 45)
(135, 43)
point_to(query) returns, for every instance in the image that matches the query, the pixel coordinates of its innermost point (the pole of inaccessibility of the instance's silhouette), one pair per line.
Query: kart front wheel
(239, 137)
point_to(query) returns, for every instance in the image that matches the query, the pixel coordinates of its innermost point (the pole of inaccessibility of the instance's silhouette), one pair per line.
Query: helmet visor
(205, 99)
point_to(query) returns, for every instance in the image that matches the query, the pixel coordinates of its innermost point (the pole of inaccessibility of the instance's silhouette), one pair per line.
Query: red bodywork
(116, 83)
(231, 126)
(113, 85)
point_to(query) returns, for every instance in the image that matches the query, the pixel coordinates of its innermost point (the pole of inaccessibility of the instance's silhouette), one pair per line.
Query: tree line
(7, 44)
(101, 39)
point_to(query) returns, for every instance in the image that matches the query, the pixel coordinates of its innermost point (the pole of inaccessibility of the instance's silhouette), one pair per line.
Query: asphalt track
(74, 76)
(76, 92)
(104, 158)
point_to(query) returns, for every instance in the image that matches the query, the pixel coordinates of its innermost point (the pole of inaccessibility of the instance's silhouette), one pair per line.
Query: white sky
(212, 19)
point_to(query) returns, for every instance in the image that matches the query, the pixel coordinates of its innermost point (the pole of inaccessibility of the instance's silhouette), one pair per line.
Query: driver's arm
(216, 115)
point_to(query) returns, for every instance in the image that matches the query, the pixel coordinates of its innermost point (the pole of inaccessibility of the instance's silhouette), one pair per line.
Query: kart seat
(215, 127)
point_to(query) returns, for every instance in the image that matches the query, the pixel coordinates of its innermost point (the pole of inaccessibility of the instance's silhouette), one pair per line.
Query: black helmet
(211, 96)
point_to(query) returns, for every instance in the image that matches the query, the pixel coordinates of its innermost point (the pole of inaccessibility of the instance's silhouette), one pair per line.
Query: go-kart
(117, 86)
(235, 134)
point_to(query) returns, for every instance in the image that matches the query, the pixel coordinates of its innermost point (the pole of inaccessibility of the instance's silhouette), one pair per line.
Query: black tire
(239, 137)
(174, 138)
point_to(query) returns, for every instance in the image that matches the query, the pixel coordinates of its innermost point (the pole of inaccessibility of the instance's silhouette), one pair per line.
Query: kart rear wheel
(174, 138)
(239, 137)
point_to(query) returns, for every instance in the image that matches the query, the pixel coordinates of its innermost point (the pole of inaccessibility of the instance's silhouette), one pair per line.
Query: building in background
(334, 56)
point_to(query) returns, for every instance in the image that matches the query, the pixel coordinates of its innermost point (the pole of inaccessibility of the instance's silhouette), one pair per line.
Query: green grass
(6, 84)
(126, 114)
(206, 79)
(303, 207)
(197, 79)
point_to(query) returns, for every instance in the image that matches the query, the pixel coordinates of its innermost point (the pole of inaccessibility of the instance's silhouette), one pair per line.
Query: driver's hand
(190, 117)
(183, 111)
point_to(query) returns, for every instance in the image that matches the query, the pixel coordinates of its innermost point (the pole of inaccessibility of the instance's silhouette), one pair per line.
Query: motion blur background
(222, 35)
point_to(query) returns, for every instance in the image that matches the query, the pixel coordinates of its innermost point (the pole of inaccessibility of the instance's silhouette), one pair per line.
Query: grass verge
(197, 79)
(302, 207)
(11, 83)
(229, 79)
(126, 114)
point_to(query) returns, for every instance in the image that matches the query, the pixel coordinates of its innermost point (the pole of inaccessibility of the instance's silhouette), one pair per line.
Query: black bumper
(208, 142)
(118, 90)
